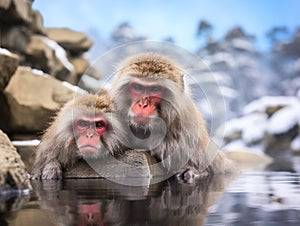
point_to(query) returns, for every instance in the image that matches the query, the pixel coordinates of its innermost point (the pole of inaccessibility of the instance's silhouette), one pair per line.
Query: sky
(160, 19)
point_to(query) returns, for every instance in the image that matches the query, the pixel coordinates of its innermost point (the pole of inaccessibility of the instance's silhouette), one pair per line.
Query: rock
(278, 145)
(15, 37)
(32, 98)
(111, 168)
(133, 164)
(248, 160)
(13, 11)
(8, 65)
(270, 124)
(26, 146)
(94, 73)
(12, 171)
(73, 41)
(46, 55)
(80, 65)
(37, 24)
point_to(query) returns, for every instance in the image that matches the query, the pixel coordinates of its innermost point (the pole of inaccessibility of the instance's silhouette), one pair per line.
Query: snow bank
(262, 104)
(284, 120)
(252, 127)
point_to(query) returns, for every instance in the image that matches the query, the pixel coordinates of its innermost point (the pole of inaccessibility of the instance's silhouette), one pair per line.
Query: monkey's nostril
(89, 135)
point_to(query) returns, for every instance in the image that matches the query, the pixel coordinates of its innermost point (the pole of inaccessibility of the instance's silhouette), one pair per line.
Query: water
(258, 198)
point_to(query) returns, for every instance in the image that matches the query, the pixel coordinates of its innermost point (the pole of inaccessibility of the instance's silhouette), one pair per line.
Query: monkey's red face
(145, 97)
(88, 132)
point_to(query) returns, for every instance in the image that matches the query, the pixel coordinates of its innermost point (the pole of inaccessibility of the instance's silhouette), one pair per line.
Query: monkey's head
(91, 123)
(149, 87)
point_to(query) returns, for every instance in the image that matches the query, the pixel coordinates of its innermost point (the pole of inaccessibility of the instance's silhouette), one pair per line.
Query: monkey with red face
(159, 115)
(82, 129)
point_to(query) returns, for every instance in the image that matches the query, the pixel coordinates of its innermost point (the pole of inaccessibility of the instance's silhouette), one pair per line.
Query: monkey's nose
(143, 105)
(89, 134)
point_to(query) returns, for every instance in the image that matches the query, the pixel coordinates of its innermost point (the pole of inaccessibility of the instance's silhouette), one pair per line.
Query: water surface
(258, 198)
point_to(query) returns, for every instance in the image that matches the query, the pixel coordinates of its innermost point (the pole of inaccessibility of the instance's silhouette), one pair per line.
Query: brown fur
(157, 66)
(58, 149)
(187, 139)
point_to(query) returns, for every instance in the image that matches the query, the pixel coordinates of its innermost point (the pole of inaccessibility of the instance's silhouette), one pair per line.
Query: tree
(204, 29)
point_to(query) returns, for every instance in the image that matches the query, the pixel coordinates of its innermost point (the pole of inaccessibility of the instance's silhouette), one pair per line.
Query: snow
(223, 78)
(243, 44)
(239, 145)
(252, 127)
(5, 52)
(76, 89)
(295, 144)
(284, 120)
(222, 57)
(228, 92)
(39, 72)
(262, 104)
(60, 53)
(26, 142)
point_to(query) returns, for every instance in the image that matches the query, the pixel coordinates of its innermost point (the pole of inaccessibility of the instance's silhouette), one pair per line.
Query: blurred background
(252, 49)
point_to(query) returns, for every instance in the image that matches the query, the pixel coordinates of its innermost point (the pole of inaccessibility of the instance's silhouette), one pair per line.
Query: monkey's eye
(137, 86)
(154, 89)
(82, 123)
(100, 124)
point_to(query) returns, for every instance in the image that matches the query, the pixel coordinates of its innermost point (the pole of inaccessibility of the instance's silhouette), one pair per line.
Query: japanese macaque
(160, 116)
(82, 129)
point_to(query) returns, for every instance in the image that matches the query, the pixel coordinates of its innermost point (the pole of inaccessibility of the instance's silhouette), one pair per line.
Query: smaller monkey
(83, 128)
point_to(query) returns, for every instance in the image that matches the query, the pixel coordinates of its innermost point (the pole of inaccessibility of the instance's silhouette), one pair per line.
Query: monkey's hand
(189, 174)
(52, 170)
(36, 175)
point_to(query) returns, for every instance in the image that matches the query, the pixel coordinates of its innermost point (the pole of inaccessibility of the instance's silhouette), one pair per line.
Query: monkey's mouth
(140, 132)
(88, 149)
(140, 119)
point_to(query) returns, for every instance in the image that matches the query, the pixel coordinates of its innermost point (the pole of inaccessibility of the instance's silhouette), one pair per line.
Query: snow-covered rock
(284, 120)
(32, 98)
(250, 128)
(270, 104)
(269, 124)
(45, 54)
(73, 41)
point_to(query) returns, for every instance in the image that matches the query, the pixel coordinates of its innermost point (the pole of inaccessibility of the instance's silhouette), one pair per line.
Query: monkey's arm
(46, 164)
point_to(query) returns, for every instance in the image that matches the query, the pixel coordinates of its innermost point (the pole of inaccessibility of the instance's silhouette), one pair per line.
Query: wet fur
(58, 150)
(187, 139)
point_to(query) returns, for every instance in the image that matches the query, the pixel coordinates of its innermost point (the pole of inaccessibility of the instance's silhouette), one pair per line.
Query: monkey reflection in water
(102, 202)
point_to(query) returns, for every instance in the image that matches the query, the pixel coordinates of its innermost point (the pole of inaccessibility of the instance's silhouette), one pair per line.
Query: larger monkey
(149, 93)
(82, 129)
